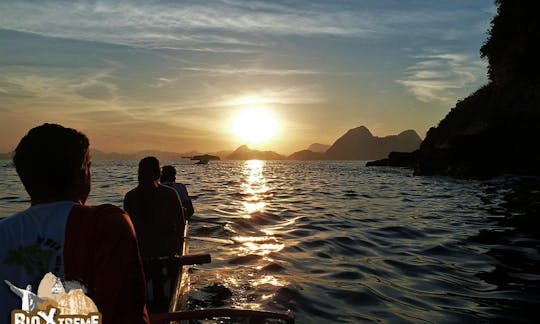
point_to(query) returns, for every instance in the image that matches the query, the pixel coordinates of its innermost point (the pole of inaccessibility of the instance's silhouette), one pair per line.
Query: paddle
(190, 259)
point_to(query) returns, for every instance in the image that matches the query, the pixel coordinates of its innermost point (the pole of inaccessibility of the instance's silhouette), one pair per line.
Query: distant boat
(204, 159)
(202, 162)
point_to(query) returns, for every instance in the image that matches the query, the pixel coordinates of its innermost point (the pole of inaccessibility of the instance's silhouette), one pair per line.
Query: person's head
(53, 163)
(168, 174)
(149, 171)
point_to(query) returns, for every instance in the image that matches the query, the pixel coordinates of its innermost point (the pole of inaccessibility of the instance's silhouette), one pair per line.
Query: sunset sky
(175, 75)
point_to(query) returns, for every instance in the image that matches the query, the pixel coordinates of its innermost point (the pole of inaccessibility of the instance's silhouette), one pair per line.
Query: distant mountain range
(317, 147)
(245, 153)
(356, 144)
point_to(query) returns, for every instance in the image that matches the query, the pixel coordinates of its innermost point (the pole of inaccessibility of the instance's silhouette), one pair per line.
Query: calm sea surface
(339, 242)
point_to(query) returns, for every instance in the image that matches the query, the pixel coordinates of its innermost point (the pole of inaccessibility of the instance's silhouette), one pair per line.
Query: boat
(178, 308)
(180, 295)
(202, 162)
(204, 159)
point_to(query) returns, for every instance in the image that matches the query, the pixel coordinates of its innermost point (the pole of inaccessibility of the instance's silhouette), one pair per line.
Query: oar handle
(190, 259)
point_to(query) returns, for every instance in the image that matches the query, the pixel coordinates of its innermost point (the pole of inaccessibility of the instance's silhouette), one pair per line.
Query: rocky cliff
(496, 129)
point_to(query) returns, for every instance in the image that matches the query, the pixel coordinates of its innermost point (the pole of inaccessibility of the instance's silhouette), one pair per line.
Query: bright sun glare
(254, 126)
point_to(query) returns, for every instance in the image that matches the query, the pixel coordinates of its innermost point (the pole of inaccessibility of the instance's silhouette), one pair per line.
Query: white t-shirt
(31, 244)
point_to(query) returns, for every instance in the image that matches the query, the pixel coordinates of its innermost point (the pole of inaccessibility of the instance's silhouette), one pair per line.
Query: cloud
(438, 77)
(212, 101)
(226, 70)
(163, 82)
(219, 25)
(58, 85)
(169, 24)
(284, 96)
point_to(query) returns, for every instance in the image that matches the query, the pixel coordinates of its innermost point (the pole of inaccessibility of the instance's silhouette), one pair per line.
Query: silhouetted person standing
(157, 214)
(95, 246)
(168, 178)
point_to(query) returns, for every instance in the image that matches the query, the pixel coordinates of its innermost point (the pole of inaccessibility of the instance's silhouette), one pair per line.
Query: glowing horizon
(172, 76)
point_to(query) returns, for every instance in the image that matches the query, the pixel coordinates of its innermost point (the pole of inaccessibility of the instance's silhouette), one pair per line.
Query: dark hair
(168, 173)
(148, 171)
(48, 158)
(147, 196)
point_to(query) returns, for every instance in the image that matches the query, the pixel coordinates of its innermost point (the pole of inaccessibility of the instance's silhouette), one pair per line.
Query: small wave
(356, 298)
(250, 258)
(208, 230)
(272, 268)
(215, 296)
(10, 198)
(292, 298)
(323, 255)
(399, 232)
(347, 275)
(314, 243)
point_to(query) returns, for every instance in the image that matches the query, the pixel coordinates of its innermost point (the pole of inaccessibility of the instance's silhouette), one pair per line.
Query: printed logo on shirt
(54, 303)
(37, 258)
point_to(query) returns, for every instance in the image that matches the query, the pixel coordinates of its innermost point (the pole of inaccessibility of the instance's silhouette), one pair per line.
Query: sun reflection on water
(268, 280)
(254, 187)
(251, 275)
(261, 249)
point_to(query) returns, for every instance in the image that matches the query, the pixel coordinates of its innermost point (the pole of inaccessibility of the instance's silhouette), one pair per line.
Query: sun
(254, 126)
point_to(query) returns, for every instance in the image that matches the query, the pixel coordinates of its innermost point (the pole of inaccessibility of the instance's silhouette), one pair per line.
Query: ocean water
(339, 242)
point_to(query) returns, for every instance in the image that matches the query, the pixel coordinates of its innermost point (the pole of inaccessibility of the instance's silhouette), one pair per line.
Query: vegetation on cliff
(494, 130)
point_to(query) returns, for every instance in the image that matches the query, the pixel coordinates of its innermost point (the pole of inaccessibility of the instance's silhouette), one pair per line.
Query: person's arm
(186, 201)
(179, 218)
(128, 204)
(189, 211)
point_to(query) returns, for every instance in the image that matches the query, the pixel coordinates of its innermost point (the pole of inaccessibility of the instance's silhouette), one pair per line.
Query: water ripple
(339, 242)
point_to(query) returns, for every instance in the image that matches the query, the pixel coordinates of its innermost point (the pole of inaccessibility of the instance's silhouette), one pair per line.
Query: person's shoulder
(132, 192)
(17, 220)
(169, 194)
(108, 210)
(166, 189)
(7, 224)
(180, 185)
(106, 214)
(111, 213)
(5, 221)
(107, 224)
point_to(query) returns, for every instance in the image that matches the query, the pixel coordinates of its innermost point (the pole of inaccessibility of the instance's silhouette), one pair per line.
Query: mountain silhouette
(245, 153)
(359, 144)
(307, 155)
(317, 147)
